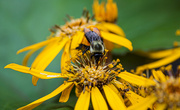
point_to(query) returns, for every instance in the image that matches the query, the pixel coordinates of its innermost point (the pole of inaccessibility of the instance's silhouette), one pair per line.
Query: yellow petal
(159, 76)
(144, 104)
(52, 94)
(37, 60)
(111, 11)
(159, 63)
(99, 11)
(117, 39)
(114, 28)
(48, 54)
(159, 54)
(101, 27)
(76, 40)
(108, 45)
(65, 56)
(34, 80)
(178, 32)
(155, 75)
(38, 45)
(113, 99)
(118, 84)
(95, 6)
(40, 56)
(85, 41)
(83, 101)
(116, 91)
(161, 106)
(38, 73)
(135, 79)
(133, 97)
(31, 107)
(28, 55)
(78, 90)
(65, 94)
(97, 100)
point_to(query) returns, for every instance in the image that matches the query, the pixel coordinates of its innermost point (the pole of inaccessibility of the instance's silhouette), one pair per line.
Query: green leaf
(151, 24)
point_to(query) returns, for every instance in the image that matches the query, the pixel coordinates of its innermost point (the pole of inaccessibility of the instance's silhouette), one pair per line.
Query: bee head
(97, 46)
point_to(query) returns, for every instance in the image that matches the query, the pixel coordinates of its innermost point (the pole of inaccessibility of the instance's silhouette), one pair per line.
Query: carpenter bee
(96, 46)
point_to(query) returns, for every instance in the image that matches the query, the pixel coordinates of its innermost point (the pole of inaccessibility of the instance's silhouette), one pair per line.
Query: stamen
(69, 17)
(92, 17)
(88, 74)
(87, 19)
(84, 12)
(51, 30)
(169, 70)
(65, 20)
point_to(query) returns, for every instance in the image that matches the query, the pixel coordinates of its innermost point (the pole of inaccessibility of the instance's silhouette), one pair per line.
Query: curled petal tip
(19, 51)
(8, 66)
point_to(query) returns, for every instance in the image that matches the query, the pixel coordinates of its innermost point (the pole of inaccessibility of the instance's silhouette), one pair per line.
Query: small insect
(96, 43)
(124, 91)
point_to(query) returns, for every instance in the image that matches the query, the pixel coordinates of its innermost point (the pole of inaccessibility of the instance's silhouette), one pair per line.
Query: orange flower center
(169, 92)
(87, 73)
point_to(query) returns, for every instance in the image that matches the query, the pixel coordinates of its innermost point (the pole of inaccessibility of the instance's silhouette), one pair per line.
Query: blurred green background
(149, 24)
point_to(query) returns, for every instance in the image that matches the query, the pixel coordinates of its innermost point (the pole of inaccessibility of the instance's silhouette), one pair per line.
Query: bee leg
(86, 49)
(125, 90)
(92, 55)
(97, 56)
(83, 47)
(80, 46)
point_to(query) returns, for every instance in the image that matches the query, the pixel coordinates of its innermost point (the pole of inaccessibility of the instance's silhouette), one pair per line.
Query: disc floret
(74, 25)
(169, 91)
(87, 73)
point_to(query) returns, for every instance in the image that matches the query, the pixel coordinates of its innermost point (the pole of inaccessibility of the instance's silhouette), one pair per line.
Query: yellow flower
(167, 56)
(164, 57)
(95, 81)
(165, 94)
(69, 36)
(105, 14)
(178, 32)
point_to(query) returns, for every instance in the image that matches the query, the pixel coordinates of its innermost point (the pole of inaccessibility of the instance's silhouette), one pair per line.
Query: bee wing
(96, 30)
(99, 38)
(87, 34)
(92, 35)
